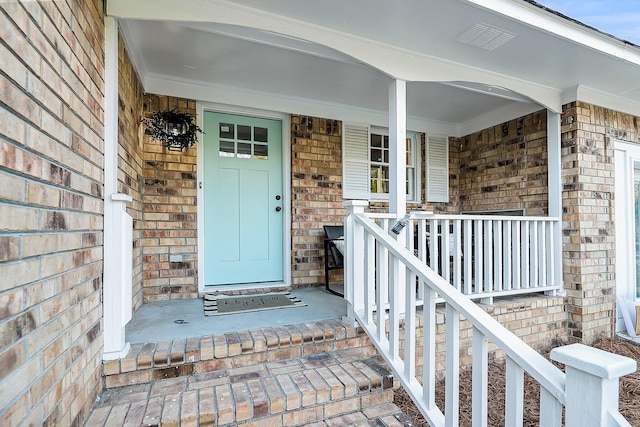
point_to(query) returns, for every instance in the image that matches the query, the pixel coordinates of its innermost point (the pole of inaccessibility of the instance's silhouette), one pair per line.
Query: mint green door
(243, 201)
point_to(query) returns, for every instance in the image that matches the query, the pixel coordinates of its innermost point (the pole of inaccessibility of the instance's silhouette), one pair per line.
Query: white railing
(486, 256)
(378, 270)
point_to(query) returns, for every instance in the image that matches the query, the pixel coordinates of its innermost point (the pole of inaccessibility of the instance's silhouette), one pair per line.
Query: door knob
(278, 209)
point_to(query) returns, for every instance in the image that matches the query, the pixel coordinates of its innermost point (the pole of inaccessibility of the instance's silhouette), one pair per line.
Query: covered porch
(369, 131)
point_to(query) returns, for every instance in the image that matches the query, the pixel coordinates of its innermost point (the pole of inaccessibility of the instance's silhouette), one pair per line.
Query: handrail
(543, 371)
(381, 276)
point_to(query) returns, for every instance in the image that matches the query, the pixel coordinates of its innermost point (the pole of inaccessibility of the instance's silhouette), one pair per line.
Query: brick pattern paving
(323, 373)
(187, 356)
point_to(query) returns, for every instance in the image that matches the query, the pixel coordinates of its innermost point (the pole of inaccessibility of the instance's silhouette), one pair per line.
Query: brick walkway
(316, 374)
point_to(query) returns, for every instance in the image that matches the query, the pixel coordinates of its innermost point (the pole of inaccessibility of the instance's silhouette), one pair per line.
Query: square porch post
(397, 187)
(397, 148)
(117, 223)
(554, 184)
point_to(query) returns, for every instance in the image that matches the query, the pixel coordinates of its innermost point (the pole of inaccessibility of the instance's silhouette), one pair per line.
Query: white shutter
(355, 162)
(437, 174)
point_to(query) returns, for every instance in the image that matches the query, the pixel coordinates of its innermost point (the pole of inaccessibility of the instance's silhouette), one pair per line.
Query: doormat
(216, 305)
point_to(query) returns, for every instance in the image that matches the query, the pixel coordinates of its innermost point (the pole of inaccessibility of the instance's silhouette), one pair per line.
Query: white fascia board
(601, 99)
(539, 18)
(206, 92)
(394, 61)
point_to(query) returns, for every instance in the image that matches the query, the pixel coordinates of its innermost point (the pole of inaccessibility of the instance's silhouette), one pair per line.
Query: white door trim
(201, 107)
(625, 153)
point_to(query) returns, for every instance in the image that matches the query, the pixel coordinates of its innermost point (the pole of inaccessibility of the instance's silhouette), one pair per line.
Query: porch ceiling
(342, 55)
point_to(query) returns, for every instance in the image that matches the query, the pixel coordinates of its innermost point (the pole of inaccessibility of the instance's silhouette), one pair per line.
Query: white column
(592, 378)
(116, 305)
(397, 147)
(397, 183)
(554, 184)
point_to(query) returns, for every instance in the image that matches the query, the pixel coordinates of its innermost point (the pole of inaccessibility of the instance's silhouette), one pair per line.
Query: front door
(243, 215)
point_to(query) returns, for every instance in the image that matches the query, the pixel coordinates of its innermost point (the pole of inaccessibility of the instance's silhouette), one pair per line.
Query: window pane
(227, 149)
(226, 130)
(244, 133)
(244, 150)
(409, 147)
(386, 141)
(376, 140)
(376, 155)
(261, 151)
(260, 134)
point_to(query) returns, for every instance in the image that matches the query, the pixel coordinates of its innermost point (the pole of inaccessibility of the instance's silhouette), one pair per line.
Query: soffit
(198, 50)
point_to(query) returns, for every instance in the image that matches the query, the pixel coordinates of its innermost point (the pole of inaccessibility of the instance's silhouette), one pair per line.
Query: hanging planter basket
(177, 131)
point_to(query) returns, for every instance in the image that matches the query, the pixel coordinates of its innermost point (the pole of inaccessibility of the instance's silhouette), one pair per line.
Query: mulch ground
(629, 403)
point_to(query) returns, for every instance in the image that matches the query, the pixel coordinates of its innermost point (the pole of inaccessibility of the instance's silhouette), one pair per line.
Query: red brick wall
(51, 163)
(168, 223)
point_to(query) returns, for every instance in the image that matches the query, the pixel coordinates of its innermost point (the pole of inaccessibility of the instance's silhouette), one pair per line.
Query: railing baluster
(457, 280)
(550, 410)
(533, 254)
(370, 276)
(382, 284)
(452, 381)
(444, 244)
(433, 245)
(517, 270)
(542, 254)
(498, 245)
(467, 253)
(394, 306)
(478, 281)
(422, 249)
(488, 255)
(480, 371)
(422, 240)
(507, 259)
(526, 247)
(410, 326)
(550, 253)
(429, 347)
(514, 394)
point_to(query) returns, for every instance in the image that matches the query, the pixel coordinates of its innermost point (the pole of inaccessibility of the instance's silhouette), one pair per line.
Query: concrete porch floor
(156, 321)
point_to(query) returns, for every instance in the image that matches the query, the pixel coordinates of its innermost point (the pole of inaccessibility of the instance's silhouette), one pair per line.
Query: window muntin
(379, 164)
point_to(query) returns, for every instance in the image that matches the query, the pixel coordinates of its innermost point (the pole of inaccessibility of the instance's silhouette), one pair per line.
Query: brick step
(187, 356)
(346, 387)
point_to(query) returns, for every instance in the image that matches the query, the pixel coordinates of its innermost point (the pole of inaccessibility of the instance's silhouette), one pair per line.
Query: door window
(243, 142)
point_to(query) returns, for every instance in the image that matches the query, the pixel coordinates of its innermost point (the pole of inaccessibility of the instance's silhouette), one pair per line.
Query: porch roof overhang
(336, 59)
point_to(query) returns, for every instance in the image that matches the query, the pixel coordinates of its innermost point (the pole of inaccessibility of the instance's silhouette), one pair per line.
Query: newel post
(592, 378)
(354, 259)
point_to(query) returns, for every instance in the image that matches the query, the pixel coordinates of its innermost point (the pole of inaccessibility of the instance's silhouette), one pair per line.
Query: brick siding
(168, 223)
(588, 217)
(130, 162)
(505, 167)
(51, 190)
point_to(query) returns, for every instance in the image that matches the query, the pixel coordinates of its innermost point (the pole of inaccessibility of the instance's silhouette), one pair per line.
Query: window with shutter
(365, 165)
(437, 173)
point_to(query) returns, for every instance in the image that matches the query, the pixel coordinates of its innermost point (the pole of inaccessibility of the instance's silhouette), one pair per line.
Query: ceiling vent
(485, 36)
